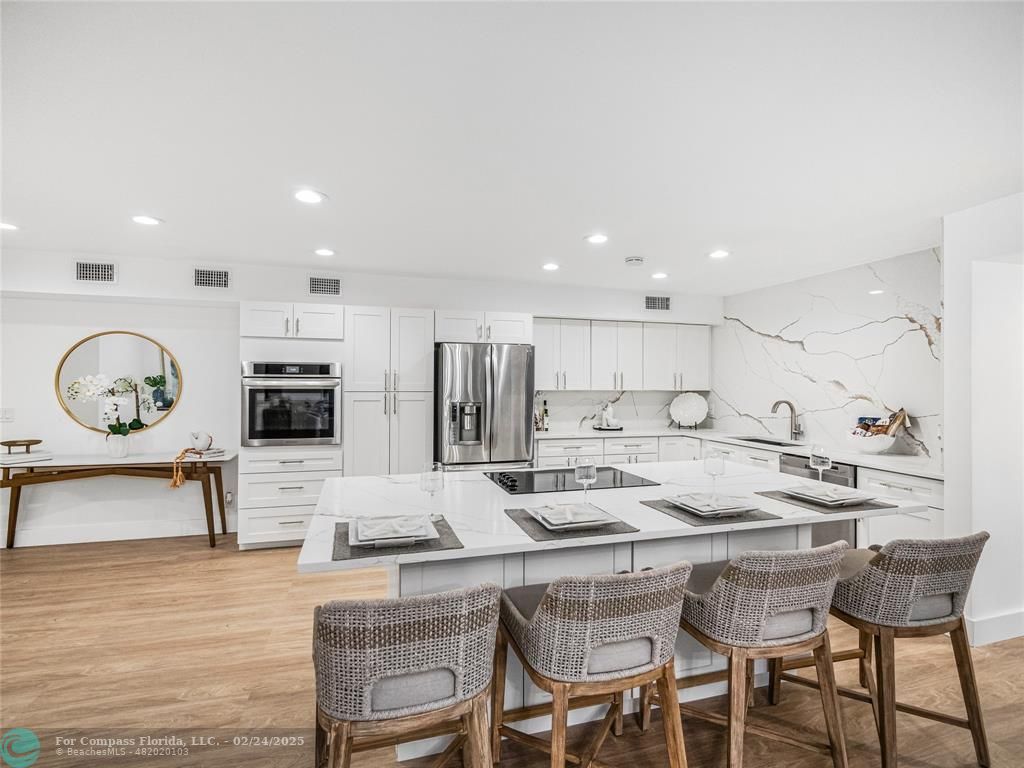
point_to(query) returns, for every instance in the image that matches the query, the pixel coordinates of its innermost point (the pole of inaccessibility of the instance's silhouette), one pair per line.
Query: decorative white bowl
(871, 444)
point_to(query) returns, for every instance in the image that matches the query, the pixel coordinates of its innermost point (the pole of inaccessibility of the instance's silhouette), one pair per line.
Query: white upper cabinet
(459, 325)
(676, 356)
(283, 320)
(496, 327)
(265, 318)
(389, 349)
(412, 350)
(660, 350)
(367, 356)
(617, 355)
(694, 355)
(319, 321)
(562, 354)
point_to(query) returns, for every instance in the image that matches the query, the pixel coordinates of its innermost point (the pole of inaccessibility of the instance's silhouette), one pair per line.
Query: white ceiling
(488, 139)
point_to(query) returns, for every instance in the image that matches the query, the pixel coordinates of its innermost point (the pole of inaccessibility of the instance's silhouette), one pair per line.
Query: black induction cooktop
(551, 480)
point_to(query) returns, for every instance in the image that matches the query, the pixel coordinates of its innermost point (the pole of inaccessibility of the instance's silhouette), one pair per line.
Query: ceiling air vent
(206, 277)
(96, 272)
(659, 303)
(324, 285)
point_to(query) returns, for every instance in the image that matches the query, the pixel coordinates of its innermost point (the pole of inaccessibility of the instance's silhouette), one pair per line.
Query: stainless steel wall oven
(291, 404)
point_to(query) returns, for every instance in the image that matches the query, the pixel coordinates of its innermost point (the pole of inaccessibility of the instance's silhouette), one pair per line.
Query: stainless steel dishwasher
(839, 474)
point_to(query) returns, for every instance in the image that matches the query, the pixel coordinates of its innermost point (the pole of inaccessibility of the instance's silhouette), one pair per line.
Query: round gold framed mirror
(118, 382)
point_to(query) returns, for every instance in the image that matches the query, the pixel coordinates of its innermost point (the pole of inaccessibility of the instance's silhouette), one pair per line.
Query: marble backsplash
(568, 411)
(862, 341)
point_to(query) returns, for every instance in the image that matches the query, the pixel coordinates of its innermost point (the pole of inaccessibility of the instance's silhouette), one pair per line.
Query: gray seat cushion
(931, 607)
(853, 562)
(412, 689)
(610, 657)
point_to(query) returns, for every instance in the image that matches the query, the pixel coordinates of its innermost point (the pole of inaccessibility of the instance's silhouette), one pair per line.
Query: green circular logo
(19, 748)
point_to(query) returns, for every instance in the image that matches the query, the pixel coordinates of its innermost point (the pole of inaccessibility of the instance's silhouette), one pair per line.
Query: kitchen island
(496, 550)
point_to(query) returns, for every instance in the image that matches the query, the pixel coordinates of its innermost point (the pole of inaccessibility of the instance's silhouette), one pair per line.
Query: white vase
(117, 446)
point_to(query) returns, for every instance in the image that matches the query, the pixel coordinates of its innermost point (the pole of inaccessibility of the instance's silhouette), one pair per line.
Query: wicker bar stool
(390, 671)
(763, 605)
(586, 640)
(908, 588)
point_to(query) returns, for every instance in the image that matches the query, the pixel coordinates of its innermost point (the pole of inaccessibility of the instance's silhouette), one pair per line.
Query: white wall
(837, 351)
(984, 395)
(48, 272)
(35, 334)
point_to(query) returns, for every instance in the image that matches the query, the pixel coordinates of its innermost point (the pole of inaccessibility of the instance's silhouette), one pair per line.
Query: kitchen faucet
(795, 430)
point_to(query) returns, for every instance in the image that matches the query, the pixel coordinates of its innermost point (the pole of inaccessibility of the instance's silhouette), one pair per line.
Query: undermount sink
(763, 440)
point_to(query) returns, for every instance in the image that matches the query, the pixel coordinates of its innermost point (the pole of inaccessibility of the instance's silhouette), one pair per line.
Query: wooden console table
(77, 467)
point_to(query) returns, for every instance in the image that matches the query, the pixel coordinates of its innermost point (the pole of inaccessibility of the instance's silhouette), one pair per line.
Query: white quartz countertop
(915, 466)
(474, 507)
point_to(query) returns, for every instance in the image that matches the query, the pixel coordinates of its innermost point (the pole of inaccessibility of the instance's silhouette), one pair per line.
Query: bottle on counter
(545, 419)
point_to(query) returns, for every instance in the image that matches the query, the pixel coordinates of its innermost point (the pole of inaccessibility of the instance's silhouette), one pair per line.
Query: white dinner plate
(570, 517)
(827, 497)
(370, 531)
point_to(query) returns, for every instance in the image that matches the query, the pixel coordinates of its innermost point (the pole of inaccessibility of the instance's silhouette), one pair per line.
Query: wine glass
(586, 475)
(432, 478)
(714, 465)
(820, 460)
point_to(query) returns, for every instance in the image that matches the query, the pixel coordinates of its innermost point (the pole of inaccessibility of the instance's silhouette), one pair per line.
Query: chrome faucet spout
(795, 430)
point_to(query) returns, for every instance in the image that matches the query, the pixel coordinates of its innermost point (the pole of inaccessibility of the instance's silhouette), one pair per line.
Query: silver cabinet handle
(759, 458)
(385, 403)
(394, 380)
(479, 331)
(572, 447)
(291, 522)
(394, 403)
(615, 380)
(291, 461)
(488, 331)
(287, 323)
(556, 379)
(564, 385)
(906, 488)
(385, 379)
(297, 326)
(632, 445)
(290, 487)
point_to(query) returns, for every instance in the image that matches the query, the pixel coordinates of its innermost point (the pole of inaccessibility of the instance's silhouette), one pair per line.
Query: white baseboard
(114, 531)
(993, 629)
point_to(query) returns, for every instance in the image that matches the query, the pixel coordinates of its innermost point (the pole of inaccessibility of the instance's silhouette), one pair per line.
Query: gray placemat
(538, 532)
(780, 496)
(688, 517)
(343, 551)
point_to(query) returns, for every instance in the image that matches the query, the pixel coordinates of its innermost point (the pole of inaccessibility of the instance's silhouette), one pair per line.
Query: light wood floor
(169, 637)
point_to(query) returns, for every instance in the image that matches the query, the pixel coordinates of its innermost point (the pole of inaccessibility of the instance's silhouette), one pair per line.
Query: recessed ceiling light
(876, 291)
(660, 275)
(719, 254)
(551, 267)
(5, 225)
(598, 238)
(149, 221)
(310, 196)
(323, 252)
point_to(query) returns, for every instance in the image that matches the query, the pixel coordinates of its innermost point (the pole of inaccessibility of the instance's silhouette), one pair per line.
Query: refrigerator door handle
(488, 406)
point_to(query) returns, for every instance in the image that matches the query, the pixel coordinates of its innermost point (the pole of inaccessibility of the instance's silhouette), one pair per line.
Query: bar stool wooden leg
(340, 745)
(320, 742)
(643, 715)
(774, 681)
(559, 723)
(478, 742)
(737, 705)
(969, 687)
(669, 696)
(498, 694)
(750, 682)
(830, 702)
(617, 723)
(864, 663)
(885, 672)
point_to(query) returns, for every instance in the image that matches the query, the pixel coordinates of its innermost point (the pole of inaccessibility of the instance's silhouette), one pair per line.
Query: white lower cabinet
(755, 457)
(927, 524)
(678, 448)
(278, 489)
(386, 432)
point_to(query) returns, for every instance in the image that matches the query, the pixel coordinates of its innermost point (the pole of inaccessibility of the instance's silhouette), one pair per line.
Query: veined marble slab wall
(837, 351)
(569, 411)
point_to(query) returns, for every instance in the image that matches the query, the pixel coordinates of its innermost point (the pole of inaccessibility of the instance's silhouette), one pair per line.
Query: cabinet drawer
(756, 458)
(281, 489)
(570, 448)
(679, 448)
(274, 524)
(919, 489)
(908, 525)
(255, 460)
(625, 446)
(553, 461)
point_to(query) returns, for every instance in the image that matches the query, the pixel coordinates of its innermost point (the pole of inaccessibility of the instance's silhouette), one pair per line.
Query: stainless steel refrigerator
(483, 408)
